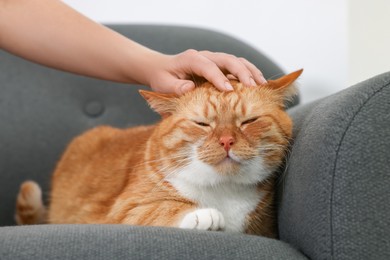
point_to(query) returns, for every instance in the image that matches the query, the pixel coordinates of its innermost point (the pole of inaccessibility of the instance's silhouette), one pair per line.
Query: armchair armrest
(335, 194)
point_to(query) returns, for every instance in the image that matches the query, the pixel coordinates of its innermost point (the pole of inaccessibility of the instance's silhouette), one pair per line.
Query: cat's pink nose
(226, 141)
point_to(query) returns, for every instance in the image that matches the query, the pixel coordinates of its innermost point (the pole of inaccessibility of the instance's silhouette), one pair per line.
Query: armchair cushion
(129, 242)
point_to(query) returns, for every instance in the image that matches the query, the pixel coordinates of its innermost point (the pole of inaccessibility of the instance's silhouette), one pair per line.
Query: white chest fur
(235, 196)
(234, 201)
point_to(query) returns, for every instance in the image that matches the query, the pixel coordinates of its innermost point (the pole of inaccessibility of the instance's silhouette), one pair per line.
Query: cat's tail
(29, 205)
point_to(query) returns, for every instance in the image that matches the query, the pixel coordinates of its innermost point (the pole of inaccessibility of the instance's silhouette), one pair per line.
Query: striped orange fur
(208, 164)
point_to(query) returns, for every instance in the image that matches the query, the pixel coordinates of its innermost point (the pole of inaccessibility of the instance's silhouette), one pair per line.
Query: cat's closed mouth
(229, 160)
(230, 155)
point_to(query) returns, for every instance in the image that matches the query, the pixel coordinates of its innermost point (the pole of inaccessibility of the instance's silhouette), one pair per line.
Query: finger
(231, 64)
(211, 72)
(214, 75)
(256, 73)
(168, 83)
(183, 86)
(232, 77)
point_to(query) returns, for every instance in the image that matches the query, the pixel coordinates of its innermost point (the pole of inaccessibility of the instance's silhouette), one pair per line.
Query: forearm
(51, 33)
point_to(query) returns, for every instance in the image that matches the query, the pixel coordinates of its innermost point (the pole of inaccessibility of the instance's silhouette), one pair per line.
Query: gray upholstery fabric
(41, 109)
(335, 194)
(126, 242)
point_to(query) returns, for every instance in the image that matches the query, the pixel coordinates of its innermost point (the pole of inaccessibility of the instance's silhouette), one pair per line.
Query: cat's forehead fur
(207, 101)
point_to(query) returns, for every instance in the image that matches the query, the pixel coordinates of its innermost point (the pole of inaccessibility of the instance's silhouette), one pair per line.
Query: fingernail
(186, 87)
(253, 82)
(228, 86)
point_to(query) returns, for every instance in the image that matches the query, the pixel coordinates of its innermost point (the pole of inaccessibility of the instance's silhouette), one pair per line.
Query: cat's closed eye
(251, 120)
(201, 123)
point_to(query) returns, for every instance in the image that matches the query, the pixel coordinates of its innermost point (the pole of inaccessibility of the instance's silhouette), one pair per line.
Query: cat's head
(209, 137)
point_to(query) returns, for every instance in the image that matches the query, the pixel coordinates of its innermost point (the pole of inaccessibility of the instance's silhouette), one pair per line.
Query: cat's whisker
(286, 165)
(175, 171)
(176, 156)
(166, 169)
(159, 184)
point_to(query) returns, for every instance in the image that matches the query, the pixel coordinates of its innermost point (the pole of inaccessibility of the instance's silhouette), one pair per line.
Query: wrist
(144, 65)
(155, 66)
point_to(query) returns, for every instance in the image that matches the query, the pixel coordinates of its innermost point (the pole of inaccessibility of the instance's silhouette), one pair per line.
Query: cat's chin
(228, 166)
(228, 160)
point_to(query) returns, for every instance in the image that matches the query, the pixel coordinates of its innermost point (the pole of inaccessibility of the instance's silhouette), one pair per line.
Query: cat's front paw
(204, 219)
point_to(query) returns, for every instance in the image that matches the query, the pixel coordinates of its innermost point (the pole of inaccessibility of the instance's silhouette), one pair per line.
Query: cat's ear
(285, 85)
(164, 104)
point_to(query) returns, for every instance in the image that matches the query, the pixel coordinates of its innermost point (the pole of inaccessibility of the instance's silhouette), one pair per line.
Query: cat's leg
(203, 219)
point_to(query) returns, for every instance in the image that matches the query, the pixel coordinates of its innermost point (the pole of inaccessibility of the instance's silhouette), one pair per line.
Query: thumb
(183, 86)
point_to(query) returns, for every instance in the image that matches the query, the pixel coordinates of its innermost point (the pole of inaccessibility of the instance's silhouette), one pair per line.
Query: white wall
(369, 39)
(309, 34)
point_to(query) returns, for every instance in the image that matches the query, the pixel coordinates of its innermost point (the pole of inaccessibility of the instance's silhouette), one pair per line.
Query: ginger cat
(207, 165)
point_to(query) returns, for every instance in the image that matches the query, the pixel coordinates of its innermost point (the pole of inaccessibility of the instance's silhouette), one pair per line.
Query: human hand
(175, 73)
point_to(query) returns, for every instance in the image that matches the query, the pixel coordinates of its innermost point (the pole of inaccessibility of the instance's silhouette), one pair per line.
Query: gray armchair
(333, 196)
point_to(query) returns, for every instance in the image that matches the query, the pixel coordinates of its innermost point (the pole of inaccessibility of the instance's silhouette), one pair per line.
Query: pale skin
(51, 33)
